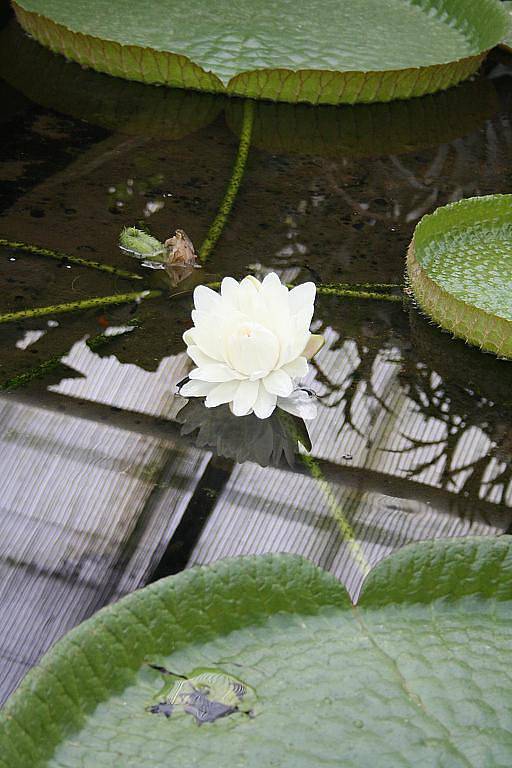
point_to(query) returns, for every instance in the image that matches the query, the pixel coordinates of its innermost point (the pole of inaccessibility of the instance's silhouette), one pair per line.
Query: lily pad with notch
(324, 51)
(417, 673)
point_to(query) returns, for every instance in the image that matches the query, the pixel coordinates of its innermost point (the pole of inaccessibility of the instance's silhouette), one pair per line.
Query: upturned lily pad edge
(310, 86)
(100, 657)
(475, 326)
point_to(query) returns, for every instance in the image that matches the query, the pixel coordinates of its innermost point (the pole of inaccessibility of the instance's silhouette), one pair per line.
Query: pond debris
(176, 255)
(206, 695)
(180, 249)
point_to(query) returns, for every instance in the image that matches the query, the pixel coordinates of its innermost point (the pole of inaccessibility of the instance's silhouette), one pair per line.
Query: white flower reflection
(251, 343)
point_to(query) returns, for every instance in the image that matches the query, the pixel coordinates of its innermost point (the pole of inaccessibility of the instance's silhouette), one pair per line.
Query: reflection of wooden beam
(359, 478)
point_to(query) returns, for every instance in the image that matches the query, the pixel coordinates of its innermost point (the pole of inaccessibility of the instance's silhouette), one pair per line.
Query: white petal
(299, 404)
(250, 348)
(245, 397)
(272, 285)
(208, 336)
(314, 345)
(196, 388)
(215, 372)
(294, 348)
(229, 291)
(276, 308)
(302, 297)
(296, 368)
(221, 393)
(188, 337)
(301, 320)
(278, 383)
(206, 300)
(251, 300)
(199, 357)
(265, 403)
(250, 280)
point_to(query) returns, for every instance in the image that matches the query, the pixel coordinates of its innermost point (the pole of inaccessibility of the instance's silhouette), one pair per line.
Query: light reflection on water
(99, 486)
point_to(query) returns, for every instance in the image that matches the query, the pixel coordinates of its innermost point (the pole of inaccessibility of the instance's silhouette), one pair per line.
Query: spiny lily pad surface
(269, 654)
(460, 270)
(323, 51)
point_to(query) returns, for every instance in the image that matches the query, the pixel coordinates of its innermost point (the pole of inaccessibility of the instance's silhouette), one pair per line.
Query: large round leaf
(323, 51)
(460, 270)
(418, 674)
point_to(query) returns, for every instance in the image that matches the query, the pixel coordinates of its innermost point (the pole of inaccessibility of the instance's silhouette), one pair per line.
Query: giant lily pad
(270, 655)
(460, 270)
(323, 51)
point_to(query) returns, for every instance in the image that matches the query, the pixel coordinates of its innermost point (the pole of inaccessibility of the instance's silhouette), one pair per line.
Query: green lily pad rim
(154, 66)
(56, 696)
(476, 326)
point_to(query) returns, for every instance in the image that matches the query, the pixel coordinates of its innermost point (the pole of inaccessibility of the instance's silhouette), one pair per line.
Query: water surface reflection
(101, 488)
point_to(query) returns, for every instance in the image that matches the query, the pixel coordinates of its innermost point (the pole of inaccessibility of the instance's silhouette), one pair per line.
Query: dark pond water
(100, 493)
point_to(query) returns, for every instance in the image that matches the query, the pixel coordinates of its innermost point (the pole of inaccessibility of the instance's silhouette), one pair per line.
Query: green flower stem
(336, 511)
(364, 286)
(40, 371)
(338, 289)
(219, 222)
(334, 290)
(75, 306)
(37, 251)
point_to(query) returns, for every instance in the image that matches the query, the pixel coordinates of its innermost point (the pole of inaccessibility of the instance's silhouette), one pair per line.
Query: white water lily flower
(250, 343)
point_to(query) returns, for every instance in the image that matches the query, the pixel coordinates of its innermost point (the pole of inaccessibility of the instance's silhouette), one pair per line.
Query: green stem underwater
(364, 286)
(220, 220)
(346, 530)
(76, 306)
(64, 257)
(334, 290)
